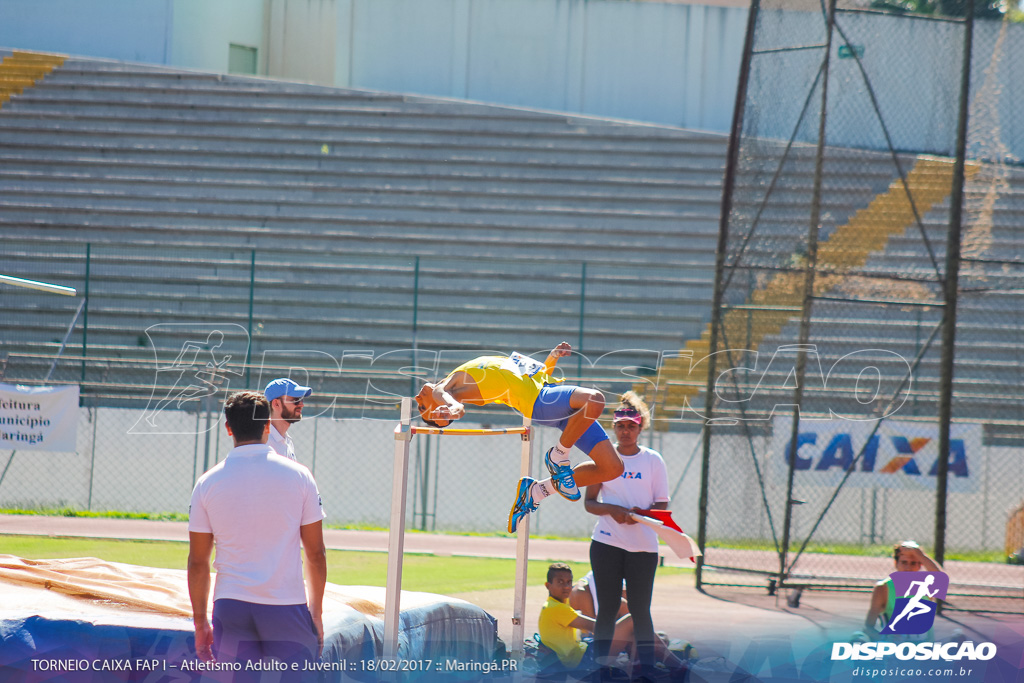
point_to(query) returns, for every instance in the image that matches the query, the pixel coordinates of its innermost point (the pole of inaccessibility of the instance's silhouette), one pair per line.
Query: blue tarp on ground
(47, 635)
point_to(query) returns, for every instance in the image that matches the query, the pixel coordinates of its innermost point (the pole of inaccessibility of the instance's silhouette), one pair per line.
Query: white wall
(203, 30)
(184, 33)
(116, 29)
(303, 39)
(672, 64)
(430, 40)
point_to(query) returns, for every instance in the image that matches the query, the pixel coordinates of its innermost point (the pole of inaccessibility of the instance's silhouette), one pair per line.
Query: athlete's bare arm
(444, 401)
(879, 596)
(912, 558)
(560, 351)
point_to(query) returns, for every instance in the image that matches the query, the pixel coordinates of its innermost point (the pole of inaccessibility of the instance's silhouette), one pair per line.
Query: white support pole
(396, 536)
(522, 555)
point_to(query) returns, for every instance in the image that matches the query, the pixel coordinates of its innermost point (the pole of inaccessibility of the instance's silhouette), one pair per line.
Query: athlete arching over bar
(527, 386)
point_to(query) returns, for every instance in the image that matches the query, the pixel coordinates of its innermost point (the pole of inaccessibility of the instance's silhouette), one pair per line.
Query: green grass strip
(93, 514)
(446, 575)
(874, 550)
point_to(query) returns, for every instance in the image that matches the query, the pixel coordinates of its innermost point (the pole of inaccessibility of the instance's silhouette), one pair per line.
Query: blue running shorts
(551, 409)
(248, 632)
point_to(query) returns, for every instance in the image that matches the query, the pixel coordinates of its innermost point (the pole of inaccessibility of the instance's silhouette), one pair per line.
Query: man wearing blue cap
(285, 397)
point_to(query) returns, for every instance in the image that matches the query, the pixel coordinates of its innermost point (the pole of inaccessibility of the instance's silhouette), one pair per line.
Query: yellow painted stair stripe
(23, 70)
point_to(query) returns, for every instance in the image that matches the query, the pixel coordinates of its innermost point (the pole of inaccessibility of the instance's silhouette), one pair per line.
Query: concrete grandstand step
(96, 103)
(346, 142)
(353, 145)
(385, 246)
(28, 120)
(191, 110)
(312, 191)
(296, 168)
(399, 204)
(48, 163)
(349, 237)
(310, 154)
(166, 95)
(176, 279)
(593, 241)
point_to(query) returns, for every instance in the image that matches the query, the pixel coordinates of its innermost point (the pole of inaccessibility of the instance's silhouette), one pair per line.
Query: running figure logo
(199, 370)
(916, 595)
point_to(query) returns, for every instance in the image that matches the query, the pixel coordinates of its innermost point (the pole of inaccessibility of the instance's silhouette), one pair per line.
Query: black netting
(833, 281)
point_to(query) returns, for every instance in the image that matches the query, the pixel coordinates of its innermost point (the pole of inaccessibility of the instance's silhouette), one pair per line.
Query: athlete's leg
(604, 465)
(574, 410)
(639, 570)
(235, 637)
(583, 430)
(287, 634)
(608, 563)
(587, 405)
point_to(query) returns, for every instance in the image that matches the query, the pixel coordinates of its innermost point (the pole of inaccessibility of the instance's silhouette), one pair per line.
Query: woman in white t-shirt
(620, 548)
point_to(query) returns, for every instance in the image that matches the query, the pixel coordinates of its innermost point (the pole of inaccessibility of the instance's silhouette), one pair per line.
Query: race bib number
(524, 366)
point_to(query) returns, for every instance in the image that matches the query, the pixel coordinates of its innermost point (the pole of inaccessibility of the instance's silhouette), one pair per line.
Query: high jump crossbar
(36, 284)
(404, 432)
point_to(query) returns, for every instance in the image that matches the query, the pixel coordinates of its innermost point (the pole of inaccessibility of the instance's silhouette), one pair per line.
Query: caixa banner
(899, 455)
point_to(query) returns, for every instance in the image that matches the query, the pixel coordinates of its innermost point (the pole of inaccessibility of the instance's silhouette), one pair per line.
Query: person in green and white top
(908, 557)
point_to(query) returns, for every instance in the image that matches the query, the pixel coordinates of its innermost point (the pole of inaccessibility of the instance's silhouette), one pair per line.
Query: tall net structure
(863, 302)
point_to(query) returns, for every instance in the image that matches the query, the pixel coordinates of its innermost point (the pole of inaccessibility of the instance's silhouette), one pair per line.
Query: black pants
(611, 565)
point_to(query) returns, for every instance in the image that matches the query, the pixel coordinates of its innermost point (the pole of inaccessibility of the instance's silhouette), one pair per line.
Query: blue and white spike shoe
(561, 477)
(524, 504)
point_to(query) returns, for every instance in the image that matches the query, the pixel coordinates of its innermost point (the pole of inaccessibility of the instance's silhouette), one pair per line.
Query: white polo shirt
(281, 443)
(643, 483)
(253, 502)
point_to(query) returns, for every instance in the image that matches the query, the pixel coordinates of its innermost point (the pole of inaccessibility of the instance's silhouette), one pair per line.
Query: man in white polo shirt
(285, 397)
(256, 506)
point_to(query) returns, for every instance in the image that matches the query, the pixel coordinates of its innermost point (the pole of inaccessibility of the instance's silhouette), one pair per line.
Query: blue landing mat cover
(86, 620)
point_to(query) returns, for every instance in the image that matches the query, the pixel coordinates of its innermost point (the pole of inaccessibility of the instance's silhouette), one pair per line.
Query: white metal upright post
(396, 535)
(522, 554)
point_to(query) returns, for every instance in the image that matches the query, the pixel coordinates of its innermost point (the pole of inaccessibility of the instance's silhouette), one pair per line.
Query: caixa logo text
(887, 454)
(949, 652)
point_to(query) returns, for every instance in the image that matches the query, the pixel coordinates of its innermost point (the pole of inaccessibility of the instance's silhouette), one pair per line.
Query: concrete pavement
(717, 621)
(336, 539)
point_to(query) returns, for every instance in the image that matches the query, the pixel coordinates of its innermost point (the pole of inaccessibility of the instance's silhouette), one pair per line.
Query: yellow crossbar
(468, 432)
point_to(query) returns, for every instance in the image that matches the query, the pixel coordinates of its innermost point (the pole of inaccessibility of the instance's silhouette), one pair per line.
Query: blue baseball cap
(285, 387)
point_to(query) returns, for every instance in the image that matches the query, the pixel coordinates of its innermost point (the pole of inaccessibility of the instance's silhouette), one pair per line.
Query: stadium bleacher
(175, 178)
(374, 222)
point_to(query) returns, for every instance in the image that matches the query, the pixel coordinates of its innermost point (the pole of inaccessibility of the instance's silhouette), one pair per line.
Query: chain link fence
(351, 323)
(455, 485)
(828, 378)
(170, 330)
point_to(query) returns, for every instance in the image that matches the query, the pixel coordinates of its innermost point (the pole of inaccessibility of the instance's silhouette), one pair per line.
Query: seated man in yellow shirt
(527, 386)
(559, 625)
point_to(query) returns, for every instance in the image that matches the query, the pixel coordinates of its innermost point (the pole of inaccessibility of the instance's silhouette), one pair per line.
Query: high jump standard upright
(396, 537)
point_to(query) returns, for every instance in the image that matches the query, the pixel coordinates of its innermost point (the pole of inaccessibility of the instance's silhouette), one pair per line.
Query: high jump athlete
(527, 386)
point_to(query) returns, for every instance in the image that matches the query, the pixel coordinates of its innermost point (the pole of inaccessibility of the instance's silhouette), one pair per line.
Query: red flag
(663, 516)
(666, 528)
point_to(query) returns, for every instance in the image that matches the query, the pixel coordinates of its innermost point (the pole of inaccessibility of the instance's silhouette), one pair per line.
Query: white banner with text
(38, 418)
(899, 455)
